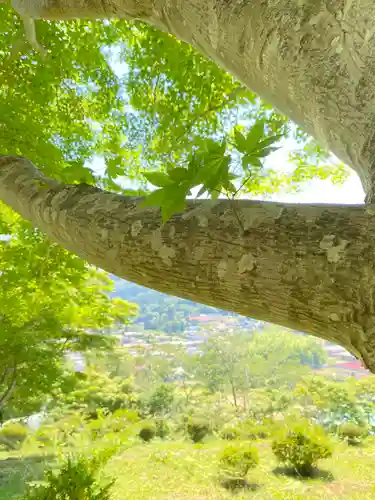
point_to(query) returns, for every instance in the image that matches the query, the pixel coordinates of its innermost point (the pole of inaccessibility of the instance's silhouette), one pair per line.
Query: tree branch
(306, 267)
(9, 390)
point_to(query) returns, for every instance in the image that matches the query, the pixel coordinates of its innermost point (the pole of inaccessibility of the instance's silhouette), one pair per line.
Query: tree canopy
(49, 300)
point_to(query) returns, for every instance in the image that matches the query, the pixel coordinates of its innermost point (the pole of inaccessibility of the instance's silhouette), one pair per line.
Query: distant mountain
(159, 311)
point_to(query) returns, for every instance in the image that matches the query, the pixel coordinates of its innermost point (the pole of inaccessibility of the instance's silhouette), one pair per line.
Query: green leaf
(158, 179)
(201, 176)
(230, 187)
(215, 193)
(174, 202)
(154, 199)
(240, 141)
(251, 160)
(254, 136)
(114, 168)
(178, 174)
(269, 141)
(265, 152)
(202, 190)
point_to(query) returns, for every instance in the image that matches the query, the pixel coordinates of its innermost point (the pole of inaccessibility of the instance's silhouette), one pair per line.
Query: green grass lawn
(181, 470)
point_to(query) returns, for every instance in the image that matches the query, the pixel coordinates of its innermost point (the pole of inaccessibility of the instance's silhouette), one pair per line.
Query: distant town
(200, 327)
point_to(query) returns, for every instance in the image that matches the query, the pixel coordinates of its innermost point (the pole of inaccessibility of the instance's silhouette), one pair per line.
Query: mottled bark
(313, 60)
(311, 268)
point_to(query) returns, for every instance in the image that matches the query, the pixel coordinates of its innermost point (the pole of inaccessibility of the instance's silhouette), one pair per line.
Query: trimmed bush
(12, 435)
(237, 459)
(300, 445)
(235, 462)
(230, 433)
(256, 431)
(197, 429)
(352, 433)
(147, 432)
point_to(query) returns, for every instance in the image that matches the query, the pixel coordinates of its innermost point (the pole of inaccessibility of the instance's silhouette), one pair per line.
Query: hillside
(159, 311)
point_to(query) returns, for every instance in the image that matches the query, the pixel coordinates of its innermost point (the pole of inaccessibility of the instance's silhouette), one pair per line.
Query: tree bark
(309, 268)
(312, 60)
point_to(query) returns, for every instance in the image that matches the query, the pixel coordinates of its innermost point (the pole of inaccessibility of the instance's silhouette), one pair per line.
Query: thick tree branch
(307, 267)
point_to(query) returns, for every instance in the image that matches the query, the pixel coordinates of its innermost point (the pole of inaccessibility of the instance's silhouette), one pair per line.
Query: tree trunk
(309, 268)
(234, 393)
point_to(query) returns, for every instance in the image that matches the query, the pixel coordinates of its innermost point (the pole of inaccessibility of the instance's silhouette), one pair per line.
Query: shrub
(300, 445)
(197, 429)
(230, 433)
(256, 431)
(12, 435)
(235, 462)
(76, 479)
(237, 459)
(162, 428)
(147, 432)
(352, 433)
(45, 435)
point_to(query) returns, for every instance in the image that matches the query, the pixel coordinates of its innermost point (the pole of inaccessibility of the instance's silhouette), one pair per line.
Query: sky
(316, 191)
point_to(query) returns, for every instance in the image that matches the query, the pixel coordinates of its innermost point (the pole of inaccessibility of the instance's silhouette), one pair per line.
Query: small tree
(300, 445)
(161, 400)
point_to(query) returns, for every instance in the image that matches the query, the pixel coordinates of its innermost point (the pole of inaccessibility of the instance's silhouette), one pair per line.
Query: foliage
(12, 435)
(75, 480)
(197, 429)
(148, 431)
(254, 430)
(230, 433)
(237, 459)
(162, 428)
(60, 429)
(52, 305)
(171, 109)
(119, 423)
(334, 402)
(352, 433)
(235, 462)
(97, 390)
(300, 445)
(161, 400)
(237, 362)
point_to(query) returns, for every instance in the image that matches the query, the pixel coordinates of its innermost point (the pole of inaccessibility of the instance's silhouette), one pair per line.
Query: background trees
(49, 299)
